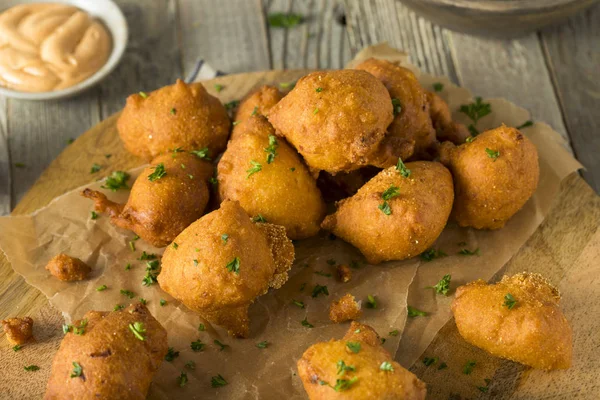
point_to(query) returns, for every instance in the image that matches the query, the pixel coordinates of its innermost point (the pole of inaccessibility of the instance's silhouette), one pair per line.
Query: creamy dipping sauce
(46, 47)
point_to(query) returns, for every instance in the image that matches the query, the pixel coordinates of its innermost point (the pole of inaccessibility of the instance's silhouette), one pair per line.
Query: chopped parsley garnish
(443, 285)
(147, 256)
(175, 245)
(118, 307)
(318, 289)
(201, 327)
(386, 366)
(256, 167)
(331, 262)
(298, 303)
(292, 169)
(307, 324)
(221, 345)
(117, 180)
(234, 265)
(231, 105)
(151, 273)
(371, 302)
(235, 123)
(128, 266)
(259, 218)
(202, 153)
(319, 89)
(71, 140)
(195, 262)
(107, 156)
(325, 274)
(132, 246)
(302, 286)
(284, 20)
(254, 111)
(475, 111)
(128, 293)
(138, 330)
(469, 367)
(432, 254)
(77, 370)
(430, 361)
(262, 345)
(101, 288)
(143, 301)
(163, 302)
(344, 384)
(342, 367)
(144, 95)
(224, 237)
(272, 149)
(467, 252)
(95, 168)
(217, 381)
(391, 192)
(94, 215)
(401, 168)
(394, 332)
(493, 154)
(525, 124)
(315, 111)
(413, 312)
(397, 106)
(442, 366)
(173, 111)
(31, 368)
(20, 165)
(470, 138)
(509, 301)
(17, 347)
(190, 365)
(383, 340)
(438, 86)
(287, 85)
(197, 345)
(353, 346)
(385, 208)
(354, 264)
(484, 389)
(182, 379)
(218, 87)
(80, 330)
(159, 172)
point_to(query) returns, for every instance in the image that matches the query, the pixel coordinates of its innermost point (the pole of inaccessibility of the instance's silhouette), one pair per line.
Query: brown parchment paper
(65, 226)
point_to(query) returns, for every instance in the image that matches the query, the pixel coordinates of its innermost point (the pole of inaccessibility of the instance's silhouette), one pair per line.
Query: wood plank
(5, 192)
(573, 57)
(230, 36)
(152, 59)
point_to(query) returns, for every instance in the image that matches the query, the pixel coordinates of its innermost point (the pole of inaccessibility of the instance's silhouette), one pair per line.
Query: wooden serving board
(569, 231)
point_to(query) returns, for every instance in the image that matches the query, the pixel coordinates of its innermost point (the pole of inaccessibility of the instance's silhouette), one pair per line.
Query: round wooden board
(562, 237)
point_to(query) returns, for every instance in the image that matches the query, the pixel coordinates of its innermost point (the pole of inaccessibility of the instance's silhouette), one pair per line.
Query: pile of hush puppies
(370, 138)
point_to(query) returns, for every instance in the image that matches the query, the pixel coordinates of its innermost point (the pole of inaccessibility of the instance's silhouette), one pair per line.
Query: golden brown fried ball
(345, 309)
(412, 122)
(445, 128)
(283, 192)
(223, 262)
(159, 208)
(335, 119)
(356, 367)
(177, 116)
(494, 176)
(393, 217)
(19, 330)
(67, 268)
(517, 318)
(259, 101)
(113, 356)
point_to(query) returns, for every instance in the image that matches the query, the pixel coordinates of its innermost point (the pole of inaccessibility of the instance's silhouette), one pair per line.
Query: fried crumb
(345, 309)
(343, 273)
(18, 330)
(67, 268)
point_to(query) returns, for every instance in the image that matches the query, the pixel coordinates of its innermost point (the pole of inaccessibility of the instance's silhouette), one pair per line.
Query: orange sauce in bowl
(46, 47)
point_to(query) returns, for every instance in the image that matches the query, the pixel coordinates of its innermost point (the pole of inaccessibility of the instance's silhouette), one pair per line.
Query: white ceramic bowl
(112, 18)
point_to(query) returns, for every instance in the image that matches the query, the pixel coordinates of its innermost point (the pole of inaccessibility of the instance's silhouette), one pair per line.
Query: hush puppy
(268, 178)
(222, 262)
(111, 355)
(412, 121)
(259, 101)
(517, 318)
(178, 116)
(335, 119)
(67, 268)
(356, 367)
(168, 196)
(494, 176)
(398, 214)
(19, 330)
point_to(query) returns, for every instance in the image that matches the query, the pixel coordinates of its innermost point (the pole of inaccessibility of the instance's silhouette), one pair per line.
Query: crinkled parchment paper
(65, 226)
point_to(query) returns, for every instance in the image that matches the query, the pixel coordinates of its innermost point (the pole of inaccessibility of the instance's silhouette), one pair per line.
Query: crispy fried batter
(445, 128)
(335, 119)
(115, 363)
(67, 268)
(345, 309)
(283, 191)
(412, 124)
(159, 210)
(343, 273)
(331, 370)
(19, 330)
(418, 213)
(177, 116)
(223, 262)
(494, 176)
(533, 331)
(259, 101)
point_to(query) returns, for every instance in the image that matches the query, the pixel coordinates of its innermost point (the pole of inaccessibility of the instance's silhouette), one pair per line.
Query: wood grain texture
(574, 65)
(5, 182)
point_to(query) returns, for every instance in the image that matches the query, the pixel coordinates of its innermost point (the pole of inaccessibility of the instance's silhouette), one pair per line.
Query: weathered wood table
(554, 73)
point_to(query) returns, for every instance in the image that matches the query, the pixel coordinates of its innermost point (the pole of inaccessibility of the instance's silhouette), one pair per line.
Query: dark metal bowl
(500, 18)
